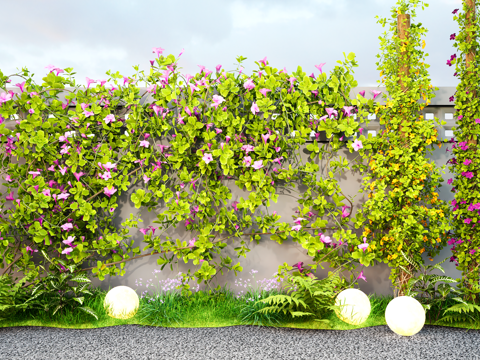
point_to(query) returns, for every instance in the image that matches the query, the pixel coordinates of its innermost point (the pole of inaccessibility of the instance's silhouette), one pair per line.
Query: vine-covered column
(403, 217)
(465, 163)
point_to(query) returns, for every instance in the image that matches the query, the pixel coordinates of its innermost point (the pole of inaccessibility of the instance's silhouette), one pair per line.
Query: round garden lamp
(121, 302)
(405, 316)
(355, 306)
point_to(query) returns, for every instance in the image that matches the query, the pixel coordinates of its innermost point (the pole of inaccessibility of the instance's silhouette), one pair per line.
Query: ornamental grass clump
(403, 211)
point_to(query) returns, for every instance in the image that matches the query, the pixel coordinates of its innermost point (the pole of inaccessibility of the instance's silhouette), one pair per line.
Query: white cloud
(248, 15)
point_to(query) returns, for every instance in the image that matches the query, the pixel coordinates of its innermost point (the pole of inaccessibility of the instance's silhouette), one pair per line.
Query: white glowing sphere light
(355, 306)
(121, 302)
(405, 316)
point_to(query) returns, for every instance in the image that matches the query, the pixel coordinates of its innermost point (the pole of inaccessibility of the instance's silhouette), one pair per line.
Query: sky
(96, 36)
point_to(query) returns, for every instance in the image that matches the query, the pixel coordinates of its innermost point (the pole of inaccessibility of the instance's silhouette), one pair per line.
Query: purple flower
(299, 266)
(453, 36)
(455, 11)
(361, 276)
(449, 181)
(257, 165)
(477, 121)
(451, 99)
(467, 162)
(468, 174)
(467, 221)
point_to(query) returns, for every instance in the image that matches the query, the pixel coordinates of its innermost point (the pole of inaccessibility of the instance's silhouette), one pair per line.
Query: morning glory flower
(265, 138)
(88, 113)
(257, 165)
(331, 112)
(90, 81)
(347, 110)
(234, 205)
(67, 226)
(264, 91)
(207, 158)
(218, 67)
(4, 97)
(78, 175)
(9, 196)
(362, 93)
(146, 179)
(357, 145)
(467, 174)
(455, 11)
(254, 108)
(361, 276)
(67, 251)
(110, 118)
(296, 227)
(46, 192)
(453, 36)
(376, 93)
(50, 68)
(158, 51)
(21, 86)
(249, 85)
(467, 221)
(144, 143)
(325, 239)
(477, 121)
(263, 61)
(191, 243)
(364, 245)
(319, 67)
(247, 148)
(109, 192)
(69, 240)
(467, 162)
(63, 196)
(345, 211)
(247, 161)
(449, 181)
(34, 173)
(217, 100)
(298, 221)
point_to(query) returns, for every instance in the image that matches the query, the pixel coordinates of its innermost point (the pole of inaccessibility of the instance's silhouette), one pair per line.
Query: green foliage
(462, 312)
(466, 152)
(175, 148)
(403, 212)
(12, 296)
(53, 292)
(305, 297)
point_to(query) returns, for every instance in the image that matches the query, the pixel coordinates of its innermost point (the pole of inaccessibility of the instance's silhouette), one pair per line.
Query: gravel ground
(237, 342)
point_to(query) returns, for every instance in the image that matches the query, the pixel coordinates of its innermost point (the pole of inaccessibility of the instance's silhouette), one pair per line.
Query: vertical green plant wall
(466, 153)
(403, 212)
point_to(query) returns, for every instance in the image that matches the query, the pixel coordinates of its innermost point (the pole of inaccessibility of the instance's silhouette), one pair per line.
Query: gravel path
(237, 342)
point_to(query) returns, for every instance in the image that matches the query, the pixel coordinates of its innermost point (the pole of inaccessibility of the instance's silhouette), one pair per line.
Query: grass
(220, 309)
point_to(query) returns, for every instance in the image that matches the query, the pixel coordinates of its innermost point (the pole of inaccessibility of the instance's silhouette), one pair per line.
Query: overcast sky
(95, 36)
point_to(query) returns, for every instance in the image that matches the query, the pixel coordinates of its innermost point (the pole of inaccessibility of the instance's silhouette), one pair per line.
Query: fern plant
(12, 296)
(53, 292)
(431, 290)
(464, 312)
(305, 296)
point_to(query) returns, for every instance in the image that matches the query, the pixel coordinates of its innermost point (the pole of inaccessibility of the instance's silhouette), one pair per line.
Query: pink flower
(9, 197)
(247, 160)
(357, 145)
(319, 67)
(277, 149)
(265, 138)
(158, 51)
(296, 227)
(4, 97)
(78, 175)
(263, 61)
(69, 240)
(331, 112)
(249, 85)
(31, 111)
(449, 181)
(217, 100)
(257, 165)
(218, 131)
(467, 221)
(144, 143)
(345, 212)
(67, 251)
(34, 173)
(218, 67)
(264, 91)
(362, 93)
(298, 221)
(376, 93)
(192, 242)
(8, 178)
(467, 162)
(146, 179)
(110, 118)
(325, 239)
(106, 175)
(247, 148)
(90, 81)
(207, 158)
(467, 174)
(67, 226)
(88, 113)
(234, 205)
(109, 192)
(254, 108)
(361, 276)
(364, 245)
(46, 192)
(477, 121)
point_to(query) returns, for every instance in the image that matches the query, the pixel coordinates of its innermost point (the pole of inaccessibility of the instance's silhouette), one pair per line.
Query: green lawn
(207, 311)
